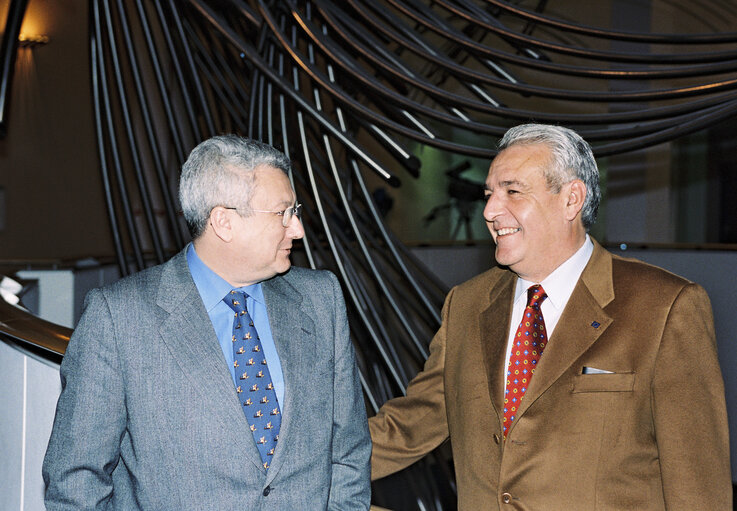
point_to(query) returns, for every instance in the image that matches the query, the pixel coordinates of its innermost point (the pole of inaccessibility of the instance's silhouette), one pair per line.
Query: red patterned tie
(529, 343)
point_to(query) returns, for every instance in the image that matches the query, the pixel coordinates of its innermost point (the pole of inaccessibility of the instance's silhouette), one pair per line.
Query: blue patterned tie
(253, 380)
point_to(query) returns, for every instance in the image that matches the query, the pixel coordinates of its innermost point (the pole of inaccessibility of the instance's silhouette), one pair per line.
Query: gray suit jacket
(148, 417)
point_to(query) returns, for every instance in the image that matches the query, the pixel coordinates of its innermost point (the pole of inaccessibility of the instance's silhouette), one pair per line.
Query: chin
(284, 266)
(501, 256)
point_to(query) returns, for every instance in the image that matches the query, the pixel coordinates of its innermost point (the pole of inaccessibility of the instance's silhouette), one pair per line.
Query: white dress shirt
(558, 286)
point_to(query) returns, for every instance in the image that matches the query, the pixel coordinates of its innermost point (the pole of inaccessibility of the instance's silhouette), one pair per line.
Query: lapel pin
(596, 324)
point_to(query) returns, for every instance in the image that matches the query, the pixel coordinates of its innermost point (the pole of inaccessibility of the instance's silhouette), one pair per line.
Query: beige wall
(49, 170)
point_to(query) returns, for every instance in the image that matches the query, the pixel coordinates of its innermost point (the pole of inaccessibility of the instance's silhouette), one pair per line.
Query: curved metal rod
(20, 326)
(503, 111)
(339, 258)
(95, 71)
(664, 135)
(399, 379)
(630, 132)
(378, 221)
(366, 80)
(204, 110)
(112, 138)
(365, 112)
(318, 76)
(218, 82)
(144, 193)
(396, 363)
(388, 295)
(189, 109)
(565, 94)
(307, 239)
(8, 53)
(438, 26)
(218, 23)
(638, 37)
(154, 149)
(255, 78)
(163, 95)
(481, 19)
(392, 245)
(346, 260)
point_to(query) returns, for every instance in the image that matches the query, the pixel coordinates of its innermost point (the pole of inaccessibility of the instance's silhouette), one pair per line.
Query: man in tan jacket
(622, 409)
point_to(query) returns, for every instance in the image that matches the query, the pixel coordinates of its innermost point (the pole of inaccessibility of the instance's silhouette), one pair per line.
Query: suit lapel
(494, 330)
(293, 332)
(581, 324)
(191, 339)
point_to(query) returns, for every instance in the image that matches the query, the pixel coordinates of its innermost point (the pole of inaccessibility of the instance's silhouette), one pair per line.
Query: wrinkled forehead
(520, 163)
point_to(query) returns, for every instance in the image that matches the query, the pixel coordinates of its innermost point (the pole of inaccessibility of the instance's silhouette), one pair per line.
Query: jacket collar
(583, 321)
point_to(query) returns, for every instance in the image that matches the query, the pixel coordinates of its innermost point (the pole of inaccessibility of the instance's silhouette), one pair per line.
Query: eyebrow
(505, 184)
(289, 204)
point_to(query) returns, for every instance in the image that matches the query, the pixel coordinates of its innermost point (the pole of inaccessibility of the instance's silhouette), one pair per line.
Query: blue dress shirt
(213, 289)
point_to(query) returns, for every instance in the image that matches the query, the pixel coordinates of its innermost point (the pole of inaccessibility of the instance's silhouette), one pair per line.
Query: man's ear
(575, 198)
(220, 223)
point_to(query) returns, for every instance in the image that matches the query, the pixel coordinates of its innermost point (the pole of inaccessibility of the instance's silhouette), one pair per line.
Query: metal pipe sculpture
(8, 52)
(348, 89)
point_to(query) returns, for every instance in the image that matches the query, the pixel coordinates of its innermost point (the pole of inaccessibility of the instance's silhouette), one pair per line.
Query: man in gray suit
(221, 379)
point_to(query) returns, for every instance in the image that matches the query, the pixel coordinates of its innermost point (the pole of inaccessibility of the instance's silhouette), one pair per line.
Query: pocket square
(594, 370)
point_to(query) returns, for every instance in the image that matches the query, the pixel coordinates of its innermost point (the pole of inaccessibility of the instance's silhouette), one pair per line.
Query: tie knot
(236, 300)
(535, 296)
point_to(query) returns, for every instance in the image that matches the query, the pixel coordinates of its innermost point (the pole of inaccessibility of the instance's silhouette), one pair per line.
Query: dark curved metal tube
(189, 109)
(640, 37)
(246, 48)
(507, 112)
(163, 96)
(112, 139)
(204, 110)
(95, 74)
(143, 189)
(436, 25)
(8, 53)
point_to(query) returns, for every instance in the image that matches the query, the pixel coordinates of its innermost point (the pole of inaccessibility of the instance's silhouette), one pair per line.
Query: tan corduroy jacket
(650, 435)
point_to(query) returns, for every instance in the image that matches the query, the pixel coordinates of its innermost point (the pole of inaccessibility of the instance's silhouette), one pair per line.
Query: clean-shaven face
(526, 220)
(263, 243)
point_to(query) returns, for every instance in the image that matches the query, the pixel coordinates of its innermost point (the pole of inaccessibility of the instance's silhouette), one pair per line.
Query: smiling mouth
(507, 231)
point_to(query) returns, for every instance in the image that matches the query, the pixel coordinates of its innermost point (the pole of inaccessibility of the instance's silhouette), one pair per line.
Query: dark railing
(32, 333)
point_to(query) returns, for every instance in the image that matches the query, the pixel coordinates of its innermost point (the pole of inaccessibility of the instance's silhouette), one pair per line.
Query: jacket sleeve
(407, 428)
(84, 447)
(350, 486)
(689, 409)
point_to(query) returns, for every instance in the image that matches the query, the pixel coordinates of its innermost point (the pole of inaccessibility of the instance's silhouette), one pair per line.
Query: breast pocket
(615, 382)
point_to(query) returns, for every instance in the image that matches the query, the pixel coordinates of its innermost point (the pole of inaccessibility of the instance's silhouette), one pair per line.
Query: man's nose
(295, 229)
(492, 207)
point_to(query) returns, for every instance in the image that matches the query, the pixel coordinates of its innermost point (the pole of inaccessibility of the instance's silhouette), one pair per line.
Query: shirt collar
(559, 284)
(211, 286)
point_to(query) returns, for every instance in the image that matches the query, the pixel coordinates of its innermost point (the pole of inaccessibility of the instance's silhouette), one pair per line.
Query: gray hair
(571, 158)
(219, 172)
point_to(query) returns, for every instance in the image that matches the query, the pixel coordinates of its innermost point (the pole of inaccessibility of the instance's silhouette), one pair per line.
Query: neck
(553, 260)
(216, 255)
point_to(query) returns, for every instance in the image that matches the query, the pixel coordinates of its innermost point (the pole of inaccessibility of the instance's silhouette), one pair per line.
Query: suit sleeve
(689, 409)
(350, 485)
(407, 428)
(90, 420)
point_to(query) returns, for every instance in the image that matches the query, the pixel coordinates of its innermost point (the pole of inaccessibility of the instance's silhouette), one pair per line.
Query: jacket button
(506, 498)
(497, 439)
(267, 490)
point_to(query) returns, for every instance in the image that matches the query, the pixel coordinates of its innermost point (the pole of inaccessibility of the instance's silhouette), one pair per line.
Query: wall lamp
(31, 41)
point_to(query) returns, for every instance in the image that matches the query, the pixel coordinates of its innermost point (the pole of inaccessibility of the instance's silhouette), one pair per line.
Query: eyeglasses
(285, 214)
